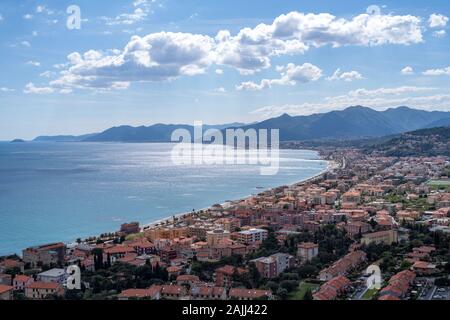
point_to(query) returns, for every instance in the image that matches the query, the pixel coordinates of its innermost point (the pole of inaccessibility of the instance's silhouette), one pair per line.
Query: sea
(63, 191)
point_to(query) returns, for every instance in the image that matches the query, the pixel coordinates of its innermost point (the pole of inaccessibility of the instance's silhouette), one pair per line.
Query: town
(309, 241)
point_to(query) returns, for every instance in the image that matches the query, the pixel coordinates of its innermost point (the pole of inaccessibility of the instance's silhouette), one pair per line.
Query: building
(53, 275)
(152, 293)
(10, 265)
(5, 279)
(213, 237)
(343, 266)
(398, 286)
(224, 275)
(130, 228)
(252, 236)
(267, 267)
(20, 281)
(306, 251)
(387, 237)
(6, 292)
(249, 294)
(47, 254)
(41, 290)
(187, 279)
(208, 293)
(173, 292)
(332, 288)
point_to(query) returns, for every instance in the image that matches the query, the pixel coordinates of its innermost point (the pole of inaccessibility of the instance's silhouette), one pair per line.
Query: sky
(76, 67)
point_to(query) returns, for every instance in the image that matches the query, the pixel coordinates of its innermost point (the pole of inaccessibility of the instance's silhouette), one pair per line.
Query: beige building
(40, 290)
(306, 251)
(214, 236)
(387, 237)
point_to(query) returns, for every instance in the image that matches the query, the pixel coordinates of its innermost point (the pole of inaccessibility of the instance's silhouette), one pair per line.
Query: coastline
(331, 165)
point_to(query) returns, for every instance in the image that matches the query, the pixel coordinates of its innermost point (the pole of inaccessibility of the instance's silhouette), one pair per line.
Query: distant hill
(154, 133)
(63, 138)
(18, 141)
(424, 142)
(351, 123)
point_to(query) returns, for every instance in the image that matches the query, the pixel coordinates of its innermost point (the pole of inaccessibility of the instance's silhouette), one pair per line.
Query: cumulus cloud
(220, 90)
(34, 63)
(437, 20)
(156, 57)
(291, 75)
(293, 33)
(166, 55)
(407, 71)
(27, 16)
(439, 34)
(346, 76)
(382, 98)
(437, 72)
(30, 88)
(142, 8)
(219, 71)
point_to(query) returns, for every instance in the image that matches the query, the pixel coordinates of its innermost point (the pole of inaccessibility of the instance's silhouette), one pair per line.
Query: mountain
(423, 142)
(352, 123)
(155, 133)
(63, 138)
(355, 122)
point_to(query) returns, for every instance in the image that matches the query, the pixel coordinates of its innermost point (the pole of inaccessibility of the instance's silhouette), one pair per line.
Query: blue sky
(140, 62)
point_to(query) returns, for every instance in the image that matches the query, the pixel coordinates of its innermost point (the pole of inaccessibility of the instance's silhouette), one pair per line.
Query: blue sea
(63, 191)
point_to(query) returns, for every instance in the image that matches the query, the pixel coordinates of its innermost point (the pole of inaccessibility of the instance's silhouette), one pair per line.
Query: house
(249, 294)
(204, 292)
(152, 293)
(187, 279)
(41, 290)
(423, 267)
(343, 266)
(332, 288)
(173, 292)
(398, 286)
(20, 281)
(53, 275)
(47, 254)
(386, 237)
(6, 292)
(5, 279)
(224, 275)
(272, 266)
(11, 264)
(306, 251)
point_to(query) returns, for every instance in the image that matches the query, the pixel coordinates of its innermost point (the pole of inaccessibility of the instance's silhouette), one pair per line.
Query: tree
(308, 295)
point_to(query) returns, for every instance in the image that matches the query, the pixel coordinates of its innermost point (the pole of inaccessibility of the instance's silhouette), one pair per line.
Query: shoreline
(331, 165)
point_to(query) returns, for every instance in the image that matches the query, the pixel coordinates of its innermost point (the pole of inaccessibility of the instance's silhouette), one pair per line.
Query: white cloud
(379, 99)
(167, 55)
(346, 76)
(156, 57)
(439, 34)
(291, 75)
(293, 33)
(30, 88)
(407, 71)
(25, 44)
(220, 90)
(219, 71)
(1, 18)
(5, 89)
(43, 9)
(437, 21)
(27, 16)
(34, 63)
(140, 13)
(34, 33)
(437, 72)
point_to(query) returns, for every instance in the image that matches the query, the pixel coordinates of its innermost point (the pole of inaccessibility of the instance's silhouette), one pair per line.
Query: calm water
(62, 191)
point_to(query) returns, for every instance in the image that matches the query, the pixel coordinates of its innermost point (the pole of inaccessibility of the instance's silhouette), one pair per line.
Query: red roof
(249, 293)
(4, 288)
(22, 278)
(43, 285)
(188, 278)
(141, 293)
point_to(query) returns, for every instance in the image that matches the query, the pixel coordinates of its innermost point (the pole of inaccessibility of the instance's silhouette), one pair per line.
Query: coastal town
(313, 240)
